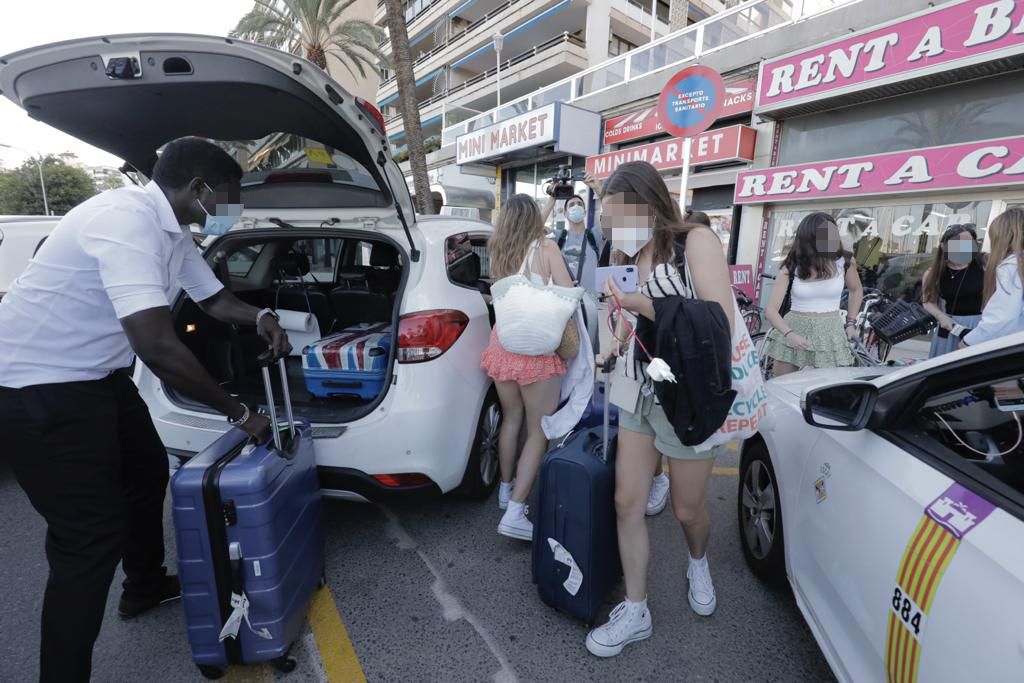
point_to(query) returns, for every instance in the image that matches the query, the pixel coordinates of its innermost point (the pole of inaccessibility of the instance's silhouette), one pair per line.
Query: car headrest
(354, 273)
(465, 269)
(292, 264)
(383, 256)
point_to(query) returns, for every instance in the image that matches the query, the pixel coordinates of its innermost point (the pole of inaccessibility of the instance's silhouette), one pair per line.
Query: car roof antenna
(414, 253)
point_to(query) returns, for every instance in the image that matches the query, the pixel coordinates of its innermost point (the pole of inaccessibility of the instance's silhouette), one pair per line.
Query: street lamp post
(42, 181)
(499, 41)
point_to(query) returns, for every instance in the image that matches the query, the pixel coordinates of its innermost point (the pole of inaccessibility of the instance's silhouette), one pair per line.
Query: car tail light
(373, 113)
(395, 481)
(427, 335)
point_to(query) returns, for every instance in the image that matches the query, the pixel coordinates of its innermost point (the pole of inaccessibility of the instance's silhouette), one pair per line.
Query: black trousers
(89, 458)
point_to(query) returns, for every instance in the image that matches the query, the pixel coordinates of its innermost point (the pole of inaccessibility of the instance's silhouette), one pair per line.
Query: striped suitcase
(350, 363)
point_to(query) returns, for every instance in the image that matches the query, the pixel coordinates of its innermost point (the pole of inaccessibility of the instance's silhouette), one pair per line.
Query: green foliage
(313, 29)
(66, 188)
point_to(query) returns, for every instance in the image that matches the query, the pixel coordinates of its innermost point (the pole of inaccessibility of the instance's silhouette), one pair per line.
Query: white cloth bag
(530, 318)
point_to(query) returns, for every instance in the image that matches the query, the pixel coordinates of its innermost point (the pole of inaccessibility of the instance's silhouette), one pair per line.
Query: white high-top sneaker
(658, 499)
(702, 591)
(505, 494)
(514, 523)
(630, 622)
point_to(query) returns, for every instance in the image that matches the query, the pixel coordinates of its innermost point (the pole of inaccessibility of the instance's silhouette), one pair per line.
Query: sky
(30, 24)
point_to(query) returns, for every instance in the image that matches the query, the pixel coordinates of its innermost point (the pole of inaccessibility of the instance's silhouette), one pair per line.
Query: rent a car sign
(951, 36)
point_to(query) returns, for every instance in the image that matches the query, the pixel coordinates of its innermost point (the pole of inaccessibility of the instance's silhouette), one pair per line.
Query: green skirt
(829, 346)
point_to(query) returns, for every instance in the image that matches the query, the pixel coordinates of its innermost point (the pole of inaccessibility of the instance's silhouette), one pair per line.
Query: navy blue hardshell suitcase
(250, 543)
(575, 538)
(593, 416)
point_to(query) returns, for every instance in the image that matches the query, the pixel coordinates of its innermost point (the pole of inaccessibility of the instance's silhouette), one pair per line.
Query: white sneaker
(659, 495)
(505, 494)
(514, 523)
(702, 591)
(630, 622)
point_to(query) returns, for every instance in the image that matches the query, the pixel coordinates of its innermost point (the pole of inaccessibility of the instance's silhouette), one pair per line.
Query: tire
(760, 341)
(482, 467)
(761, 531)
(752, 319)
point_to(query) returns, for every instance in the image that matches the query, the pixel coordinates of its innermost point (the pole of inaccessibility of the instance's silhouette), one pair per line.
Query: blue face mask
(575, 213)
(226, 217)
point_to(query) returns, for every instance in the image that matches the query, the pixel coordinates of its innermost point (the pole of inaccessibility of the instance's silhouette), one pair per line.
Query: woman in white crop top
(812, 334)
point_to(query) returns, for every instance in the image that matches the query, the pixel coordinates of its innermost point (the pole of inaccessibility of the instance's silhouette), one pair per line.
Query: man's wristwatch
(266, 311)
(243, 419)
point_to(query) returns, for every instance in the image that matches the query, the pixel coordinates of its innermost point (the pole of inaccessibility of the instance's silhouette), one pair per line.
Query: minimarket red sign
(739, 99)
(732, 143)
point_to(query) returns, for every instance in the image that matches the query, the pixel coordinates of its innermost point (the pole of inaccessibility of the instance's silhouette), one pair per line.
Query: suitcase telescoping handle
(609, 365)
(265, 360)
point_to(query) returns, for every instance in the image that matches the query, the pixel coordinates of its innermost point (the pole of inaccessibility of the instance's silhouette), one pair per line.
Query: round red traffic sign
(691, 101)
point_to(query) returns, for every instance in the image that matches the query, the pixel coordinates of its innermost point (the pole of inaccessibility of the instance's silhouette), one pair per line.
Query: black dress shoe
(134, 604)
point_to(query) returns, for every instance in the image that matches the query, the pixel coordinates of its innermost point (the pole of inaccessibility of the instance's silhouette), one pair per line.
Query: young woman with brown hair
(952, 289)
(646, 229)
(528, 386)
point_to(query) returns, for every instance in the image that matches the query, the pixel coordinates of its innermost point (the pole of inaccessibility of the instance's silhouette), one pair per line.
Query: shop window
(893, 244)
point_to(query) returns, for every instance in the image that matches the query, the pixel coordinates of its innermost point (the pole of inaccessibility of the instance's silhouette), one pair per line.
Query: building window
(617, 46)
(662, 11)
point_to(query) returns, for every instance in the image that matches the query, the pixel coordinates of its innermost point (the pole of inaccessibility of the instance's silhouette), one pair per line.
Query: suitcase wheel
(211, 672)
(284, 664)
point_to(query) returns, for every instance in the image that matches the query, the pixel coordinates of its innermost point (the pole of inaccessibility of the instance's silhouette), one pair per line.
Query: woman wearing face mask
(953, 287)
(646, 229)
(812, 335)
(528, 386)
(1003, 313)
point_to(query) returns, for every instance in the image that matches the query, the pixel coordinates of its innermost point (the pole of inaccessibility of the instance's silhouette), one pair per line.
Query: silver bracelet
(242, 420)
(265, 311)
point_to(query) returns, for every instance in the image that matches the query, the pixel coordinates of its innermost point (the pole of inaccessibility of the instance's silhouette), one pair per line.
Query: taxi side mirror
(845, 406)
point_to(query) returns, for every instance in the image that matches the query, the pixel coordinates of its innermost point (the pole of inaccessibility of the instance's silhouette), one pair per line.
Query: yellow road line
(249, 673)
(726, 471)
(336, 651)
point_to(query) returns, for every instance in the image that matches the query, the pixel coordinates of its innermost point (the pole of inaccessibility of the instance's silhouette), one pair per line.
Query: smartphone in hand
(626, 278)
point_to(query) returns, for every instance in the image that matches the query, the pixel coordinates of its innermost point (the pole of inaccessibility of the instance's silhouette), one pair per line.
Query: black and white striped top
(665, 280)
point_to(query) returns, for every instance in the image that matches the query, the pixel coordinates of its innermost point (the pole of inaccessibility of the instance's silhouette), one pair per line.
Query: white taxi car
(894, 504)
(328, 230)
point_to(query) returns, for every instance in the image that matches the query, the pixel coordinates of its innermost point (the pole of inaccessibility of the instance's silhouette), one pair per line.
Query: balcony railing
(413, 11)
(563, 39)
(491, 16)
(639, 13)
(736, 24)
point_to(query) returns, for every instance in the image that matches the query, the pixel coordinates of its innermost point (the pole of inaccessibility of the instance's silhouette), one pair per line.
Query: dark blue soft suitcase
(250, 543)
(575, 538)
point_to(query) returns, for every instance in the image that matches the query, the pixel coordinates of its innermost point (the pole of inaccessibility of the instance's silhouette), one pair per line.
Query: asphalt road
(430, 592)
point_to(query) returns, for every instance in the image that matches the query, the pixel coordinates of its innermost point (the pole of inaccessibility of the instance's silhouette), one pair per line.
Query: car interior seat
(386, 270)
(355, 302)
(295, 294)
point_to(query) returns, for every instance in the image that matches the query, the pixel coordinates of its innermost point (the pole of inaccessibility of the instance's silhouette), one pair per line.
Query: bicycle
(751, 314)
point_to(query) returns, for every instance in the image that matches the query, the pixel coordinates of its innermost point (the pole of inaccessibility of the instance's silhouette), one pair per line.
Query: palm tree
(313, 28)
(409, 104)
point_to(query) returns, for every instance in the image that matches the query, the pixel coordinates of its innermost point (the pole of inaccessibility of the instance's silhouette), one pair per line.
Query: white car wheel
(482, 466)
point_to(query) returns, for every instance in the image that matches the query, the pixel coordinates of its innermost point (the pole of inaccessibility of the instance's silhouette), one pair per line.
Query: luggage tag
(240, 613)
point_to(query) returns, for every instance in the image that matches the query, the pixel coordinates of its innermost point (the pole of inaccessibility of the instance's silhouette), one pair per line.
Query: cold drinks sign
(954, 35)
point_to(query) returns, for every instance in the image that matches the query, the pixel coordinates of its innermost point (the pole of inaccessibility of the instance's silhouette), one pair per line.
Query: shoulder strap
(560, 237)
(528, 261)
(593, 241)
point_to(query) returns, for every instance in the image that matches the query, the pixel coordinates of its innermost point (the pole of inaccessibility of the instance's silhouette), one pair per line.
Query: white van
(20, 239)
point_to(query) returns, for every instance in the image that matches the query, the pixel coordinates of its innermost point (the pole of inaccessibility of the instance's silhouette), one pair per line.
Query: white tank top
(818, 296)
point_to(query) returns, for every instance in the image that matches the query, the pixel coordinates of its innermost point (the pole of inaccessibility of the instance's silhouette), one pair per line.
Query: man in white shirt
(80, 438)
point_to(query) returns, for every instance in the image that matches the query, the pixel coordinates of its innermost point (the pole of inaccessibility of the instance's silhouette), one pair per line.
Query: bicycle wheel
(752, 319)
(760, 341)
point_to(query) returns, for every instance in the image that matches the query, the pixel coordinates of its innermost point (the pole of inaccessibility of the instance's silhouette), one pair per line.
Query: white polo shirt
(116, 254)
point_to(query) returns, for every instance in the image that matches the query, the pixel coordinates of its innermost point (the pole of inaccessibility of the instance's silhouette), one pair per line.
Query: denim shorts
(650, 418)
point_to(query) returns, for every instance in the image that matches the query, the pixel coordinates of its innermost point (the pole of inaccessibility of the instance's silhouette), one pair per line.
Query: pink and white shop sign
(951, 36)
(990, 163)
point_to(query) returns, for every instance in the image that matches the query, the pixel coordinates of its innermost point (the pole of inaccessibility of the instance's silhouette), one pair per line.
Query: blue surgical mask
(226, 217)
(575, 213)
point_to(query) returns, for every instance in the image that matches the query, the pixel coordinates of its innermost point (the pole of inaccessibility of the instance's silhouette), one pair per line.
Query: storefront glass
(893, 244)
(533, 178)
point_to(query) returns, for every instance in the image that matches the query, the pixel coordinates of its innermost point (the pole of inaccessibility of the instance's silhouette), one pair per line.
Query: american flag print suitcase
(350, 363)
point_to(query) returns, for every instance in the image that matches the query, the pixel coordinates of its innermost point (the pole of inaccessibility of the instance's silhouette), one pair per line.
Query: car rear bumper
(347, 480)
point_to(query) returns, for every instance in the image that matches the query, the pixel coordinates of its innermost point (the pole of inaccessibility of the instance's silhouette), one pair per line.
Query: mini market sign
(953, 36)
(990, 163)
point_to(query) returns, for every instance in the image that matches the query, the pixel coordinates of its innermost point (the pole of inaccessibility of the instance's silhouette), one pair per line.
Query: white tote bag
(531, 318)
